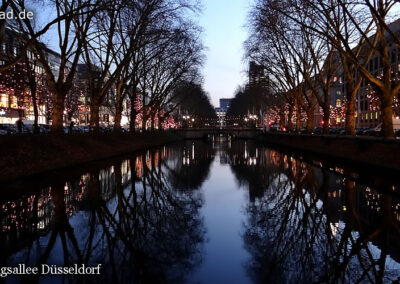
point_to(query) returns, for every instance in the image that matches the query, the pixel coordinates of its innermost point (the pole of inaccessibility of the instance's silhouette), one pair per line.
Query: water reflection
(127, 217)
(306, 224)
(142, 218)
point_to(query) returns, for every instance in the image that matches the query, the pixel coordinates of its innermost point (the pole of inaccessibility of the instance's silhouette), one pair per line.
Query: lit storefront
(9, 111)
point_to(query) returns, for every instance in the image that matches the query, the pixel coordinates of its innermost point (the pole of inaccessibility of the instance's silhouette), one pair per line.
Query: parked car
(318, 130)
(371, 132)
(81, 129)
(360, 130)
(9, 128)
(274, 128)
(334, 130)
(44, 128)
(303, 130)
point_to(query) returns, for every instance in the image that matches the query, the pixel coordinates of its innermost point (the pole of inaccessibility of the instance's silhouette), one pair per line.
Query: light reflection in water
(142, 217)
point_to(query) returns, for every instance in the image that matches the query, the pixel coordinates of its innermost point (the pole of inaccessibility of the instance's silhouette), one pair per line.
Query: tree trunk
(298, 116)
(387, 114)
(152, 122)
(33, 87)
(310, 120)
(58, 113)
(350, 124)
(118, 117)
(132, 114)
(132, 125)
(160, 119)
(144, 119)
(289, 122)
(386, 93)
(326, 116)
(35, 112)
(94, 114)
(282, 121)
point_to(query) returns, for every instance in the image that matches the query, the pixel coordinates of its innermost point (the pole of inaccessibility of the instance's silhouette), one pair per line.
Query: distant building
(222, 110)
(257, 76)
(225, 103)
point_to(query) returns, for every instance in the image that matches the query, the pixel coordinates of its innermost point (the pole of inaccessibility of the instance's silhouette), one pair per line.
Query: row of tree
(139, 51)
(252, 100)
(305, 45)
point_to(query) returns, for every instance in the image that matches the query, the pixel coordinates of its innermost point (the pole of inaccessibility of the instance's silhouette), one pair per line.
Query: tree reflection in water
(127, 217)
(306, 225)
(141, 219)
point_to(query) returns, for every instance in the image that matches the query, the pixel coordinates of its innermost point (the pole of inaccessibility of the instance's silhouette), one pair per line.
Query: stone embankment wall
(24, 155)
(365, 151)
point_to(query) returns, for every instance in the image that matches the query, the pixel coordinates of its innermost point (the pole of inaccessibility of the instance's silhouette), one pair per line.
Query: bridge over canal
(236, 132)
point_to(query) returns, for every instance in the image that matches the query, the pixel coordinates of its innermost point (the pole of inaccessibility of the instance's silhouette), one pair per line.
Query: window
(338, 103)
(3, 100)
(30, 55)
(14, 102)
(338, 93)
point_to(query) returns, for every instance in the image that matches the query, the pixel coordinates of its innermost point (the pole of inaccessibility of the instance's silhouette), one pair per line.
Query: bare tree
(73, 20)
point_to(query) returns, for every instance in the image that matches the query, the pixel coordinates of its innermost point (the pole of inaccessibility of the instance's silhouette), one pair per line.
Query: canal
(216, 211)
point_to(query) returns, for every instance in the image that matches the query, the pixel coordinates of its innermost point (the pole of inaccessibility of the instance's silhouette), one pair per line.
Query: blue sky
(224, 32)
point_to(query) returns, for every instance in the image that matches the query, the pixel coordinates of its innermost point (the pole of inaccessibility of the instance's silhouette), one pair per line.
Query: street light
(186, 118)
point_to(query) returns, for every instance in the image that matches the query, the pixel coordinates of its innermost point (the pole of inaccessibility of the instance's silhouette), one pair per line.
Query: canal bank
(25, 155)
(363, 152)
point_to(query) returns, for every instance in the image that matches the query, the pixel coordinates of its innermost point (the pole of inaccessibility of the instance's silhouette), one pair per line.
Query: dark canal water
(205, 212)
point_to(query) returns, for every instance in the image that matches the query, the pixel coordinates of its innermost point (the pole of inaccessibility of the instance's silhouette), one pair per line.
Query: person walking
(71, 127)
(20, 125)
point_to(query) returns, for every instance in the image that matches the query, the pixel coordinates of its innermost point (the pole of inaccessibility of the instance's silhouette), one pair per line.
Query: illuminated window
(376, 115)
(3, 100)
(338, 103)
(14, 102)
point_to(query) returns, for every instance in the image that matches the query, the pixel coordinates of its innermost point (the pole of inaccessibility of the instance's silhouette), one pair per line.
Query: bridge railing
(219, 129)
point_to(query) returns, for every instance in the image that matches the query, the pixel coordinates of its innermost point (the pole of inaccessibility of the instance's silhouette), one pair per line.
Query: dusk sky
(223, 22)
(224, 32)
